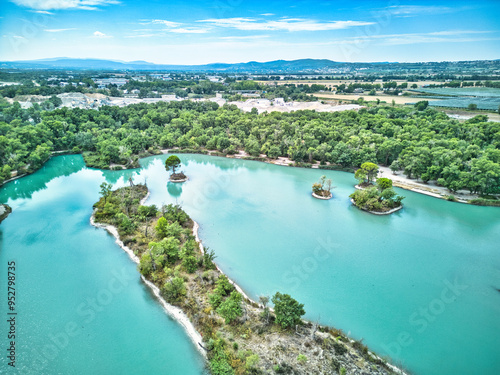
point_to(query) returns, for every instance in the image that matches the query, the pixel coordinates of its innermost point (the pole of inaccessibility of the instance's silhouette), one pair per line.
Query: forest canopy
(423, 144)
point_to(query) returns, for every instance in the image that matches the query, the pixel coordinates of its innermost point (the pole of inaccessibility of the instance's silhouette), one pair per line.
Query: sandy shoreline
(430, 189)
(173, 311)
(196, 226)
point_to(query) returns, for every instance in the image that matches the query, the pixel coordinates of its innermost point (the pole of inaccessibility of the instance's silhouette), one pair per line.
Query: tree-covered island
(322, 189)
(172, 163)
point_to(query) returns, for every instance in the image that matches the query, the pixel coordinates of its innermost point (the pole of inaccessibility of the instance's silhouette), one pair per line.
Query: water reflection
(174, 189)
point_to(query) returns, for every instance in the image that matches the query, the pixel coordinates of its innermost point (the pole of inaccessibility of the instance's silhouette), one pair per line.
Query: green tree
(105, 190)
(172, 162)
(288, 311)
(472, 107)
(384, 183)
(230, 308)
(174, 290)
(421, 105)
(190, 263)
(367, 172)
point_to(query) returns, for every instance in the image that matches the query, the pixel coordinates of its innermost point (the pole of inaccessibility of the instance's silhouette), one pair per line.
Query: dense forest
(424, 144)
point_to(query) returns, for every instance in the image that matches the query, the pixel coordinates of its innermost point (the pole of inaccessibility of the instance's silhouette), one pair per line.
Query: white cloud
(285, 24)
(267, 14)
(41, 12)
(414, 10)
(165, 22)
(58, 30)
(189, 30)
(247, 37)
(98, 34)
(64, 4)
(449, 36)
(172, 27)
(141, 36)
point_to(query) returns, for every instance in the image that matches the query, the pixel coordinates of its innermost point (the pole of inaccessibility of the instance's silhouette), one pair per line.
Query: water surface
(82, 308)
(419, 286)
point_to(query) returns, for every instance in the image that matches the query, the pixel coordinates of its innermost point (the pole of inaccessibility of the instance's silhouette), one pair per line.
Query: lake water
(419, 286)
(81, 306)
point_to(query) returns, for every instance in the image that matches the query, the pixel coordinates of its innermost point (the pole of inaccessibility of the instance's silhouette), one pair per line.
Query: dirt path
(430, 188)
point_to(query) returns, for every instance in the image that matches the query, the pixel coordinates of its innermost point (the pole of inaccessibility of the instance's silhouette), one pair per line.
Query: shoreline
(320, 197)
(392, 210)
(196, 227)
(172, 311)
(179, 315)
(398, 181)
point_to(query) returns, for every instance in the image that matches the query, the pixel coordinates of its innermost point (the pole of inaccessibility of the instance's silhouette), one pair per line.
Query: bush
(230, 309)
(173, 290)
(288, 311)
(340, 349)
(190, 263)
(485, 202)
(252, 361)
(223, 286)
(145, 264)
(302, 358)
(215, 300)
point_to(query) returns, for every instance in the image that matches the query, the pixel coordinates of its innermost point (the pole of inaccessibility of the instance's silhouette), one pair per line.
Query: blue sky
(198, 32)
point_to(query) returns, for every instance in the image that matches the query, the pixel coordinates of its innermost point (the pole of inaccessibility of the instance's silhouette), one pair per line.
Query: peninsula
(237, 335)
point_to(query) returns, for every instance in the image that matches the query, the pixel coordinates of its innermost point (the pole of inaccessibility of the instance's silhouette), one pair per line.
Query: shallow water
(418, 286)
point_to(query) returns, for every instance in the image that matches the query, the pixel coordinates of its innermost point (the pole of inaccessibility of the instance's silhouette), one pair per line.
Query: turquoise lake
(419, 286)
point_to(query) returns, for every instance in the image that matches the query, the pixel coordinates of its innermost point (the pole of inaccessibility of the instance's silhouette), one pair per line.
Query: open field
(336, 82)
(382, 98)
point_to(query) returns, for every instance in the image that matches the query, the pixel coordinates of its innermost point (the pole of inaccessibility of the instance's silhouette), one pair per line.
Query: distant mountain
(320, 66)
(303, 65)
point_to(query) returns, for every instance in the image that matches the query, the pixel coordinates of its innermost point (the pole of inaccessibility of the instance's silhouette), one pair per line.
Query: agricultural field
(463, 91)
(383, 98)
(485, 98)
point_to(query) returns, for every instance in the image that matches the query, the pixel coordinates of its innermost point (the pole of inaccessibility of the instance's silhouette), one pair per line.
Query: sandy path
(430, 188)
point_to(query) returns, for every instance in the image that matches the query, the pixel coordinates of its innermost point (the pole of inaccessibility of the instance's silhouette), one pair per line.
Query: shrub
(145, 264)
(230, 308)
(223, 286)
(302, 358)
(340, 349)
(173, 290)
(288, 311)
(215, 300)
(190, 264)
(252, 361)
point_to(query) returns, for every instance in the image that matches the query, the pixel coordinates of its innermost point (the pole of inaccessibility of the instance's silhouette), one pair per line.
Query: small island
(5, 210)
(378, 199)
(322, 189)
(172, 163)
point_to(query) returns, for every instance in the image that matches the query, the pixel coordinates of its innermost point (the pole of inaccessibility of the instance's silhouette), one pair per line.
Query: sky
(231, 31)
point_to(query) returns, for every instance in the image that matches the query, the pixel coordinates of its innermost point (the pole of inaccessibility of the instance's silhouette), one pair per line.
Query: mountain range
(276, 66)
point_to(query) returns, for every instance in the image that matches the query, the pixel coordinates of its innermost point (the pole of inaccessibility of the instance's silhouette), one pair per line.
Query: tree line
(424, 144)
